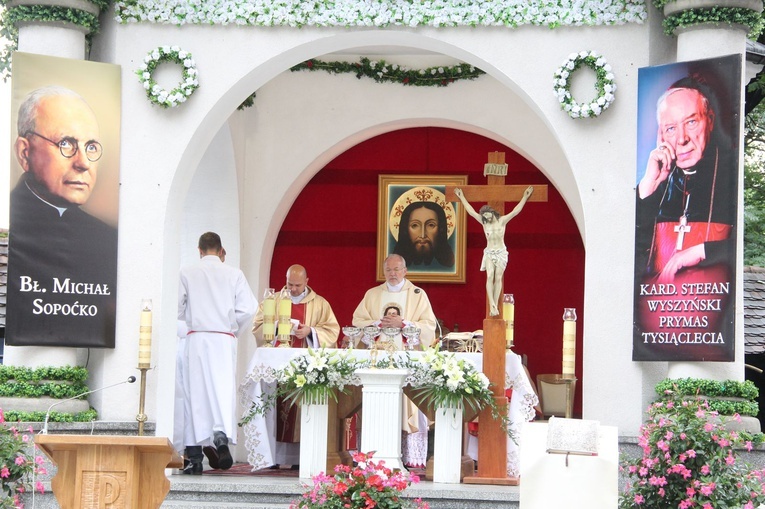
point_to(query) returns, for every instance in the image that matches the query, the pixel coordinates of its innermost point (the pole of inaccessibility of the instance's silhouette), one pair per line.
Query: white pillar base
(313, 438)
(381, 423)
(447, 450)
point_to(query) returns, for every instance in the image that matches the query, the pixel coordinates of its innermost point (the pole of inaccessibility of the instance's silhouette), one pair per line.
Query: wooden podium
(120, 472)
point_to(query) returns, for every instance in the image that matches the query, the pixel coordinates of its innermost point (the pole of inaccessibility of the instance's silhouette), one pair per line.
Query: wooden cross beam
(492, 439)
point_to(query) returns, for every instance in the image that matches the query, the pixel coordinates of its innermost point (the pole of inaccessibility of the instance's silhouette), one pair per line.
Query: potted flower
(454, 390)
(689, 460)
(310, 379)
(18, 465)
(368, 484)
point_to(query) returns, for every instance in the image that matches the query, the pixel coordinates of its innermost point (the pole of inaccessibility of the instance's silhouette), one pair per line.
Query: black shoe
(295, 467)
(192, 468)
(274, 467)
(212, 457)
(220, 440)
(225, 461)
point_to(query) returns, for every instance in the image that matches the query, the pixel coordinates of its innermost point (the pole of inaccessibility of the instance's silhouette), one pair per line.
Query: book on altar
(572, 436)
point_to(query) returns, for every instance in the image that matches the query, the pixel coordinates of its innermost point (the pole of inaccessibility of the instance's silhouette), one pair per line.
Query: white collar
(296, 300)
(60, 210)
(397, 288)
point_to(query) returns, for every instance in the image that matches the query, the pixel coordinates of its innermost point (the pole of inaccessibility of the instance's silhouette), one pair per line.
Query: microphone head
(131, 379)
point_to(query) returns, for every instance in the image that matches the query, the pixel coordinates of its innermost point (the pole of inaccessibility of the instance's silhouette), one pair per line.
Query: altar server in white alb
(217, 304)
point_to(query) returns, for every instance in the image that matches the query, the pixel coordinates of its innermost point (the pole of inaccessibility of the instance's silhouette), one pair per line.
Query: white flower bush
(179, 94)
(604, 85)
(380, 13)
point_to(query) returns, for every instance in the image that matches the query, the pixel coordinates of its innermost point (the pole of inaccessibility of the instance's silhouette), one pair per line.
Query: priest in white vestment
(216, 303)
(314, 326)
(416, 311)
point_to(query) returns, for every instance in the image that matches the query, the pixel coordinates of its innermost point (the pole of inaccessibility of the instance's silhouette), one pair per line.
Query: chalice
(350, 335)
(411, 336)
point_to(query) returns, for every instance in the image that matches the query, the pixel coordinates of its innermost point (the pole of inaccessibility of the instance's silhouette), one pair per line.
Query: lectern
(121, 472)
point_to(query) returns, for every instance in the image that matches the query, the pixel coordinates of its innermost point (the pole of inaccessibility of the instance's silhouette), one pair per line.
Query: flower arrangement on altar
(367, 485)
(441, 380)
(310, 377)
(604, 85)
(689, 460)
(18, 465)
(187, 86)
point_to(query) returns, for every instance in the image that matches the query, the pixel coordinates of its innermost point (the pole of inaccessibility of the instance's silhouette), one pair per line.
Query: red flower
(309, 64)
(339, 488)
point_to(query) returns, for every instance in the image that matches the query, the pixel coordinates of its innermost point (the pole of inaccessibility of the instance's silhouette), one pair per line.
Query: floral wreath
(157, 94)
(604, 86)
(420, 194)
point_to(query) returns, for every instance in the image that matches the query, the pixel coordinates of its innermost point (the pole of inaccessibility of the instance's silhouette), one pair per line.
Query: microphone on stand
(44, 430)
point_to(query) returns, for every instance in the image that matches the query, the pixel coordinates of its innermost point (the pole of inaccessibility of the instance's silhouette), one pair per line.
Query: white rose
(182, 54)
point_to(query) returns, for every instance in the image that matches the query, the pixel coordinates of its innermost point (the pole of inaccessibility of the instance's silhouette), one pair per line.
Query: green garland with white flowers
(187, 86)
(604, 85)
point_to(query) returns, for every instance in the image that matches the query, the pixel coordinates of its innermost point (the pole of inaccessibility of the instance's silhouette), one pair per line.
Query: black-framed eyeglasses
(69, 146)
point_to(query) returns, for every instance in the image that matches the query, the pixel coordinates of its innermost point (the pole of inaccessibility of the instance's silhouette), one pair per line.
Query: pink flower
(730, 460)
(661, 492)
(691, 453)
(685, 504)
(25, 438)
(639, 499)
(4, 472)
(668, 435)
(708, 427)
(20, 460)
(708, 489)
(690, 491)
(748, 445)
(708, 506)
(705, 470)
(39, 487)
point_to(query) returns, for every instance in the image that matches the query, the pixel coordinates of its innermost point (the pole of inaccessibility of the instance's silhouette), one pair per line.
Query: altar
(260, 432)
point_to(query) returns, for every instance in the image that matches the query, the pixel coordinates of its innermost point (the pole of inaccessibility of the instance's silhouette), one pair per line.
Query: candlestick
(144, 336)
(285, 305)
(508, 313)
(144, 360)
(269, 315)
(569, 342)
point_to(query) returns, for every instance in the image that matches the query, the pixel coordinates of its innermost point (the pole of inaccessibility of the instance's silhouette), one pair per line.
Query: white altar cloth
(260, 432)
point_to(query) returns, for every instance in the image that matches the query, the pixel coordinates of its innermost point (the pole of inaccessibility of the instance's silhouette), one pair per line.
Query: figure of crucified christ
(495, 255)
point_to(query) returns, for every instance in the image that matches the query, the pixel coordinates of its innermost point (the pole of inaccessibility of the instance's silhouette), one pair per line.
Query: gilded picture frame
(434, 247)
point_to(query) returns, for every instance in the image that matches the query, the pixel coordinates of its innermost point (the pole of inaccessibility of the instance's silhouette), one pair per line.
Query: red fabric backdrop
(332, 231)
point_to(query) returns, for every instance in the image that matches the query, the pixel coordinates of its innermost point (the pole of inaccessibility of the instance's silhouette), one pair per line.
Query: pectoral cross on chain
(681, 230)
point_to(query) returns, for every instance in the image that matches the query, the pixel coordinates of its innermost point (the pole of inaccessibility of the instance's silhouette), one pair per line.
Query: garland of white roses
(381, 13)
(157, 94)
(604, 85)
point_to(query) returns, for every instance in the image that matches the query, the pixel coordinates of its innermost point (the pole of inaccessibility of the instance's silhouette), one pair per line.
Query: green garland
(15, 389)
(15, 416)
(384, 72)
(77, 17)
(716, 15)
(706, 387)
(24, 374)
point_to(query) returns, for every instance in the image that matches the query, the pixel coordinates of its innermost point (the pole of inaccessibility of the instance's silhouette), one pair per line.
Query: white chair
(556, 395)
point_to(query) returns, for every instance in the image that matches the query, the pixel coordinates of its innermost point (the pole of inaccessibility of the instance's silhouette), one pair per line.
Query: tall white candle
(569, 342)
(144, 336)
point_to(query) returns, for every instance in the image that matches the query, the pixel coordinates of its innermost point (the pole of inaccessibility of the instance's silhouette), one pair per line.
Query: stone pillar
(58, 39)
(700, 41)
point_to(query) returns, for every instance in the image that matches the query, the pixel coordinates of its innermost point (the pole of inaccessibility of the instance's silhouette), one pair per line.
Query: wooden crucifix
(492, 439)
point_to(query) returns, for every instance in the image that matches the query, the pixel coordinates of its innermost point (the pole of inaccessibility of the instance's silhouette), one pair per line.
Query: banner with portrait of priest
(686, 210)
(62, 249)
